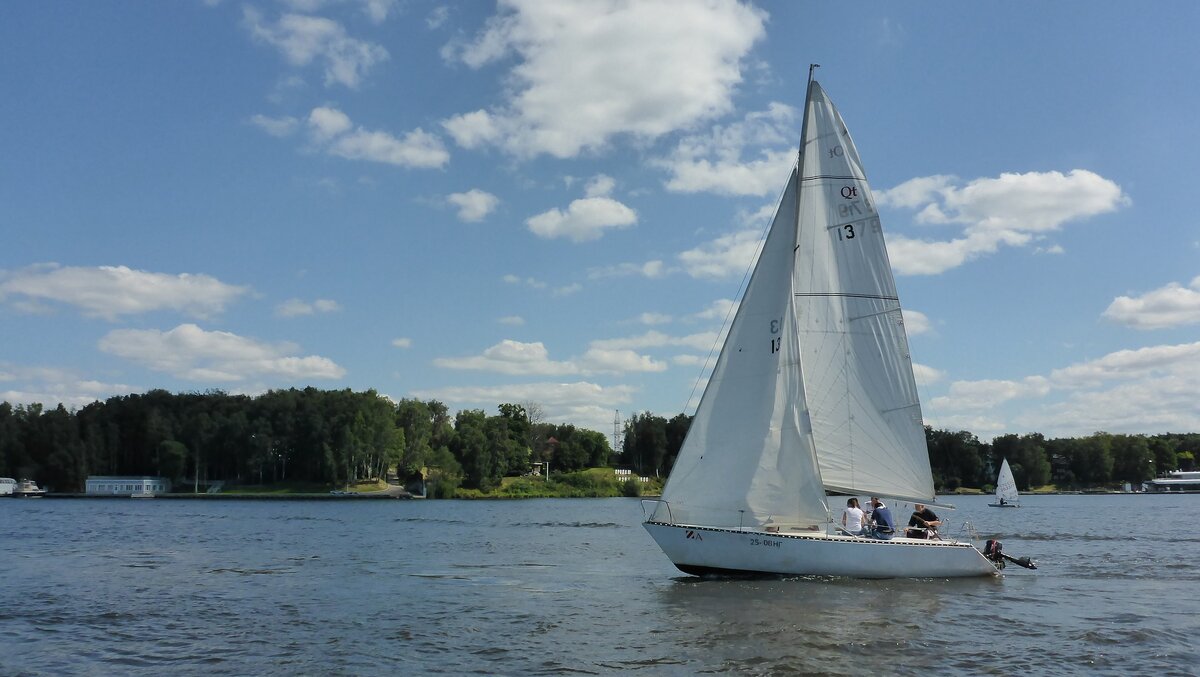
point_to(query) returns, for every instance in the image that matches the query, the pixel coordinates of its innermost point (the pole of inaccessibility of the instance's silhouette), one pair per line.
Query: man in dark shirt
(882, 525)
(923, 523)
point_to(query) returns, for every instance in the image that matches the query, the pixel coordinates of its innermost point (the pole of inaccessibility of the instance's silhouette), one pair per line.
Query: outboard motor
(994, 551)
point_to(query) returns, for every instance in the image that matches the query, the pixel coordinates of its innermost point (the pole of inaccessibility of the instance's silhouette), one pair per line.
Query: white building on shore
(100, 485)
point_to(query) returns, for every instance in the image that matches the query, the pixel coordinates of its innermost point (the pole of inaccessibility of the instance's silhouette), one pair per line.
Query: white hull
(1005, 505)
(709, 550)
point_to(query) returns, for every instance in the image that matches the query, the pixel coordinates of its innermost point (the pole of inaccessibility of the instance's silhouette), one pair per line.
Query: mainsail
(1006, 485)
(866, 416)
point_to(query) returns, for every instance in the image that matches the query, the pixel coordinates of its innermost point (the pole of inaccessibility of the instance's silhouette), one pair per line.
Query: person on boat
(853, 518)
(923, 523)
(1002, 501)
(882, 525)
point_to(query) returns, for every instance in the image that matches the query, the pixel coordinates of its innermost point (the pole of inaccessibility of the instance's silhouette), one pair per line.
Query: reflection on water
(566, 586)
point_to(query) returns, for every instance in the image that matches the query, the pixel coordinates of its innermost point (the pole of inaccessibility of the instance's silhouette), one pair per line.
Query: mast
(812, 440)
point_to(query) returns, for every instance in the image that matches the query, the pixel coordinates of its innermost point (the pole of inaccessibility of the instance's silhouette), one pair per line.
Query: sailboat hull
(1003, 505)
(707, 550)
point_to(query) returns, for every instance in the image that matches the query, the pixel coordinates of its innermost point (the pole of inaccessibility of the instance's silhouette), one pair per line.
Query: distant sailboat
(1007, 495)
(813, 392)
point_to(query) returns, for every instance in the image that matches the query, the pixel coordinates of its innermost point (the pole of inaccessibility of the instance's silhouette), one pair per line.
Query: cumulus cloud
(511, 357)
(586, 72)
(584, 220)
(619, 361)
(473, 205)
(1010, 210)
(51, 386)
(191, 353)
(1171, 306)
(278, 127)
(297, 307)
(727, 255)
(1149, 389)
(332, 130)
(512, 320)
(915, 322)
(305, 39)
(533, 359)
(714, 163)
(112, 291)
(650, 269)
(402, 342)
(581, 403)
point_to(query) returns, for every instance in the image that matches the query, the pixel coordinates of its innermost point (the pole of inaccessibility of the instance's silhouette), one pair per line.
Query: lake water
(562, 586)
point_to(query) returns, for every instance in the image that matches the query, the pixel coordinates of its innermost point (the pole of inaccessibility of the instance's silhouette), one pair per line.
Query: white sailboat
(813, 392)
(1006, 489)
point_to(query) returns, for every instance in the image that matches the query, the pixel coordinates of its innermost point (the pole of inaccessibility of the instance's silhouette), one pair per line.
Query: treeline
(960, 459)
(306, 436)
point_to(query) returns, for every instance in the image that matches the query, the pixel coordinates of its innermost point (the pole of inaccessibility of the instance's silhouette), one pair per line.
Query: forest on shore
(334, 438)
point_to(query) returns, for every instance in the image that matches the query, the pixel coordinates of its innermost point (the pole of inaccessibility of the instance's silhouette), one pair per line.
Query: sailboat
(813, 393)
(1006, 489)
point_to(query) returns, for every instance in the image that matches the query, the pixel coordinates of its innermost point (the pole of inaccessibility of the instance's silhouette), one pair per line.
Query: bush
(631, 488)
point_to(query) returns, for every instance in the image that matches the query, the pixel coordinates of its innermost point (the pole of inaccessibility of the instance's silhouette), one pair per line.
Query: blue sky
(557, 202)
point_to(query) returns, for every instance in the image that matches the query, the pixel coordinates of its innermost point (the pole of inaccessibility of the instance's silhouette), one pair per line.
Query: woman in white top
(853, 518)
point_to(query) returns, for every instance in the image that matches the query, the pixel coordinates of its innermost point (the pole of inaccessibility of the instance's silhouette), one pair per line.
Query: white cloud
(619, 361)
(721, 310)
(473, 205)
(1130, 364)
(511, 357)
(600, 185)
(402, 342)
(726, 256)
(1171, 306)
(533, 359)
(654, 318)
(581, 403)
(437, 17)
(657, 339)
(189, 352)
(512, 320)
(332, 130)
(586, 72)
(926, 375)
(915, 322)
(112, 291)
(584, 220)
(472, 130)
(1012, 210)
(714, 162)
(1143, 390)
(304, 39)
(986, 394)
(51, 386)
(278, 127)
(650, 269)
(297, 307)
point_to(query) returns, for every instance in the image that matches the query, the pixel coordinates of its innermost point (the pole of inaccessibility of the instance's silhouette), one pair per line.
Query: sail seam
(819, 177)
(848, 296)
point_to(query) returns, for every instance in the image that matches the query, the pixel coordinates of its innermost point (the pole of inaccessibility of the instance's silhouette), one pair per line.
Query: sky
(558, 202)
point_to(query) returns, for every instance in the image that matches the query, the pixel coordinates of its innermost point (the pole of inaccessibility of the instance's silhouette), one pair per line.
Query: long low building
(100, 485)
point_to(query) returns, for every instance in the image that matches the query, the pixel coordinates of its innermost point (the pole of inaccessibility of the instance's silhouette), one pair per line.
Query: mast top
(812, 67)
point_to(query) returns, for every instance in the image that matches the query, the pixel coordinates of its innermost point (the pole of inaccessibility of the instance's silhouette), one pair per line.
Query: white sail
(1006, 486)
(813, 392)
(748, 459)
(866, 417)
